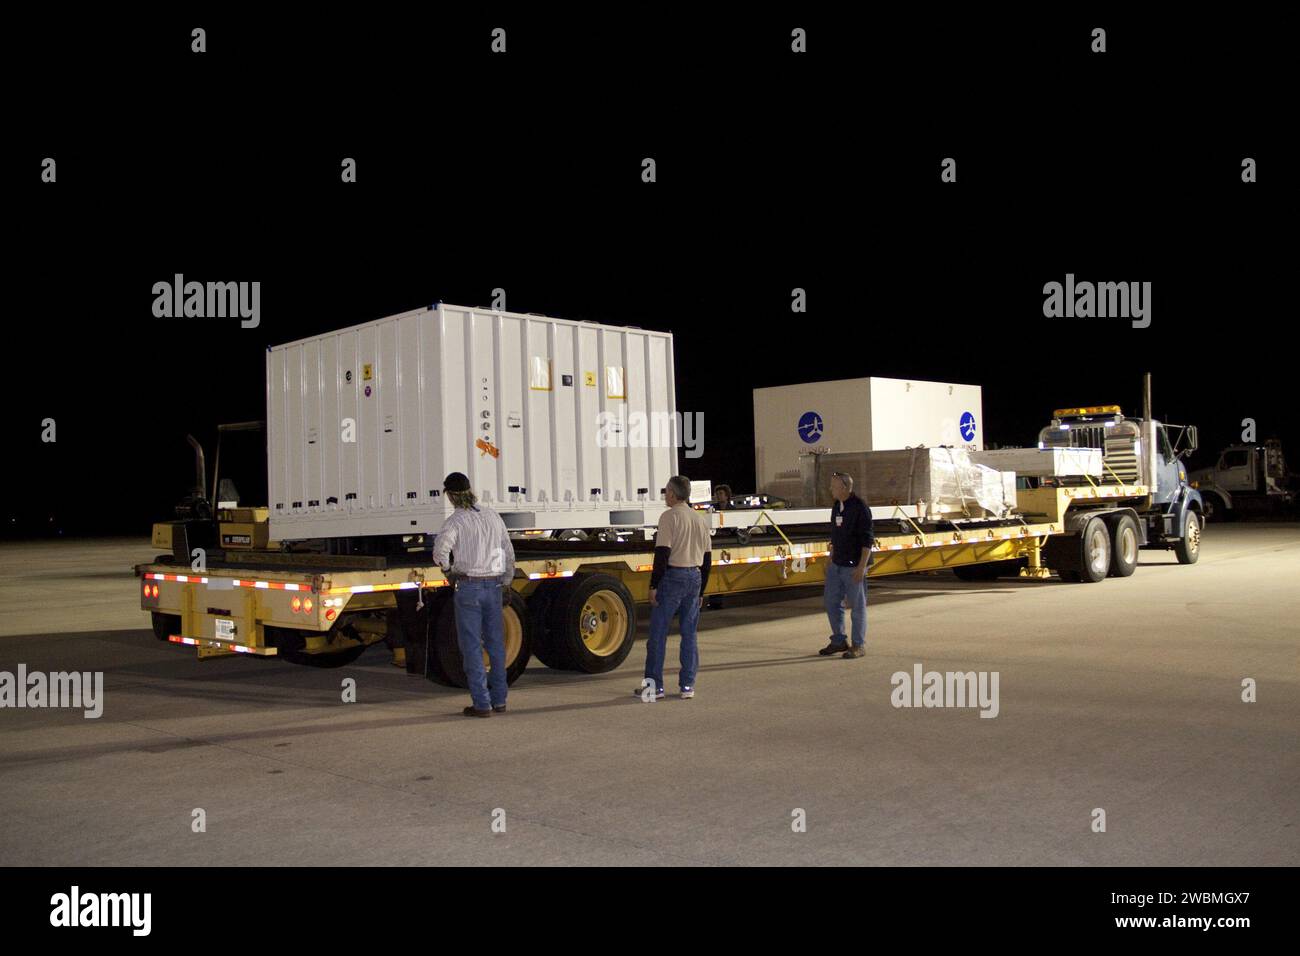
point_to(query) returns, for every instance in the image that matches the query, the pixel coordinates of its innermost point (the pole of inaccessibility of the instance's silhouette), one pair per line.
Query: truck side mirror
(1193, 440)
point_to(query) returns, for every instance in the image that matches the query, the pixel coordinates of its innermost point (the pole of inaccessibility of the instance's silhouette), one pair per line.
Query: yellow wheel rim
(603, 623)
(514, 634)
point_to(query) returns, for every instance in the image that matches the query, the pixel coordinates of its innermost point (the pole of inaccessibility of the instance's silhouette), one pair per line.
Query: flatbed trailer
(574, 605)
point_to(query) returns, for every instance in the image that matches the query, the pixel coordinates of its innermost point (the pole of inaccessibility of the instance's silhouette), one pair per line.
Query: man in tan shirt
(681, 572)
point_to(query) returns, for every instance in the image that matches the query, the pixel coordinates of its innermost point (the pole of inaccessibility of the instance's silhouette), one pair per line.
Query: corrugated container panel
(364, 423)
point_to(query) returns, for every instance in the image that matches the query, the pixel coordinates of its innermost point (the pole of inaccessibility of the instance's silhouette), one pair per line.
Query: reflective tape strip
(550, 574)
(761, 559)
(371, 588)
(290, 586)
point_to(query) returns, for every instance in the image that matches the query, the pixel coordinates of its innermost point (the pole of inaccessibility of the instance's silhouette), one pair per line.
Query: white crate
(540, 413)
(858, 414)
(1042, 462)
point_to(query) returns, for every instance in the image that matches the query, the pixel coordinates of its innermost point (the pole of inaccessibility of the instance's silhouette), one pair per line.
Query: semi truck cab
(1139, 451)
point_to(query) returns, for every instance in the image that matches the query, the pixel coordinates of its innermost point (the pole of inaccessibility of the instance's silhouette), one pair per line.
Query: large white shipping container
(542, 414)
(856, 415)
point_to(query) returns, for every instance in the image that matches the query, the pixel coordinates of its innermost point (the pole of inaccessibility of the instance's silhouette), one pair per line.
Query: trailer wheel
(540, 605)
(1123, 547)
(417, 632)
(1188, 548)
(290, 646)
(590, 624)
(450, 669)
(165, 625)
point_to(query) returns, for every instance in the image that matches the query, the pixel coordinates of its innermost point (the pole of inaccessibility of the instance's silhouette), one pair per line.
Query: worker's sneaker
(659, 694)
(688, 693)
(833, 647)
(475, 712)
(856, 650)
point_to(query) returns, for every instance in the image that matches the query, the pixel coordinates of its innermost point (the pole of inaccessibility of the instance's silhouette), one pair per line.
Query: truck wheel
(450, 670)
(1123, 547)
(590, 624)
(1094, 557)
(1188, 548)
(165, 625)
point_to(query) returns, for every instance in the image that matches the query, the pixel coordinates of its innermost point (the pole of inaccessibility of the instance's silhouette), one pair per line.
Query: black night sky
(523, 172)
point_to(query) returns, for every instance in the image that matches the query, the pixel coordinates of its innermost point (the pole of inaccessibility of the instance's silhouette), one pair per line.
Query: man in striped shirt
(484, 562)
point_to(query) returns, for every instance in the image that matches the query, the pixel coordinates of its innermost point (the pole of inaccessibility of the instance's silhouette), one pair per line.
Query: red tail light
(296, 604)
(306, 605)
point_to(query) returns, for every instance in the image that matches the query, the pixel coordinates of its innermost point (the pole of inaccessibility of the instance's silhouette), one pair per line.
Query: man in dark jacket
(846, 574)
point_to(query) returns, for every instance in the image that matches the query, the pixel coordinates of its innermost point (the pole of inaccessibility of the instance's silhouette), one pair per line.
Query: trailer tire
(290, 646)
(450, 669)
(1123, 547)
(1188, 548)
(590, 624)
(540, 605)
(165, 625)
(417, 628)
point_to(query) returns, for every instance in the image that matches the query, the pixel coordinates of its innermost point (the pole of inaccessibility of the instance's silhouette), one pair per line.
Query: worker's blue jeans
(839, 582)
(480, 627)
(678, 593)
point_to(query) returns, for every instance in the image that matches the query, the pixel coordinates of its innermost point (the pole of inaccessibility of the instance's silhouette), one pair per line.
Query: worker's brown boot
(474, 712)
(853, 652)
